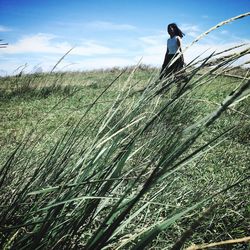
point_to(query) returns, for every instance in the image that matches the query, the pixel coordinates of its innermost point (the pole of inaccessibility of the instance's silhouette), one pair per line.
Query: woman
(173, 49)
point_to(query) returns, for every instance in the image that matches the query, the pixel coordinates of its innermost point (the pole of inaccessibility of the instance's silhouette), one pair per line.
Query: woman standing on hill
(173, 48)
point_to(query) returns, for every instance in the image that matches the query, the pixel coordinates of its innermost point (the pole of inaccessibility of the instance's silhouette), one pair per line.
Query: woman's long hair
(177, 31)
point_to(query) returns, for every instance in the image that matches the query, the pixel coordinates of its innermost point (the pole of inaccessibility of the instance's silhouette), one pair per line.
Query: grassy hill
(116, 159)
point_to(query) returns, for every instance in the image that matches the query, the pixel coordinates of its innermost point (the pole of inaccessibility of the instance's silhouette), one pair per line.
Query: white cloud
(35, 43)
(102, 25)
(154, 48)
(93, 55)
(191, 30)
(224, 32)
(199, 48)
(104, 62)
(90, 48)
(44, 43)
(155, 40)
(4, 28)
(45, 64)
(9, 67)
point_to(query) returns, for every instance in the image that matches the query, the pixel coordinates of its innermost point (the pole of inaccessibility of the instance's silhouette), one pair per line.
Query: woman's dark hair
(177, 31)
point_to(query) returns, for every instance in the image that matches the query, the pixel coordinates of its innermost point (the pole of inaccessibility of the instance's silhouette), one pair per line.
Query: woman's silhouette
(173, 49)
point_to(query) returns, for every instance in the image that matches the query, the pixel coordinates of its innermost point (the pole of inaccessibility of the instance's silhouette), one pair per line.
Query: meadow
(111, 160)
(119, 159)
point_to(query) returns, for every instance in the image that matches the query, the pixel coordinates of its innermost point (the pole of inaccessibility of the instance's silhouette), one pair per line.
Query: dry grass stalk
(221, 243)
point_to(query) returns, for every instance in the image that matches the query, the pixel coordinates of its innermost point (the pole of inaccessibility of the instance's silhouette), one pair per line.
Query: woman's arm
(178, 41)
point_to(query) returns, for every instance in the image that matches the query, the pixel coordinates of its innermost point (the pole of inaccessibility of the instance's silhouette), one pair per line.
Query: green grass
(128, 171)
(24, 105)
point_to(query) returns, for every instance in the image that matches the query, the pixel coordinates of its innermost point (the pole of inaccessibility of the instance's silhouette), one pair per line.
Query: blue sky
(107, 33)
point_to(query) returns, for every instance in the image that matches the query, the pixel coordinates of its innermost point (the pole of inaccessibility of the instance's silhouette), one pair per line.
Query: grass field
(112, 160)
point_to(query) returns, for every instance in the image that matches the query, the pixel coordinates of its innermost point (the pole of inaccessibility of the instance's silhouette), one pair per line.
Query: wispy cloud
(4, 28)
(46, 49)
(104, 62)
(208, 48)
(35, 43)
(224, 32)
(45, 43)
(191, 29)
(220, 36)
(154, 48)
(46, 63)
(205, 16)
(102, 25)
(154, 40)
(93, 48)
